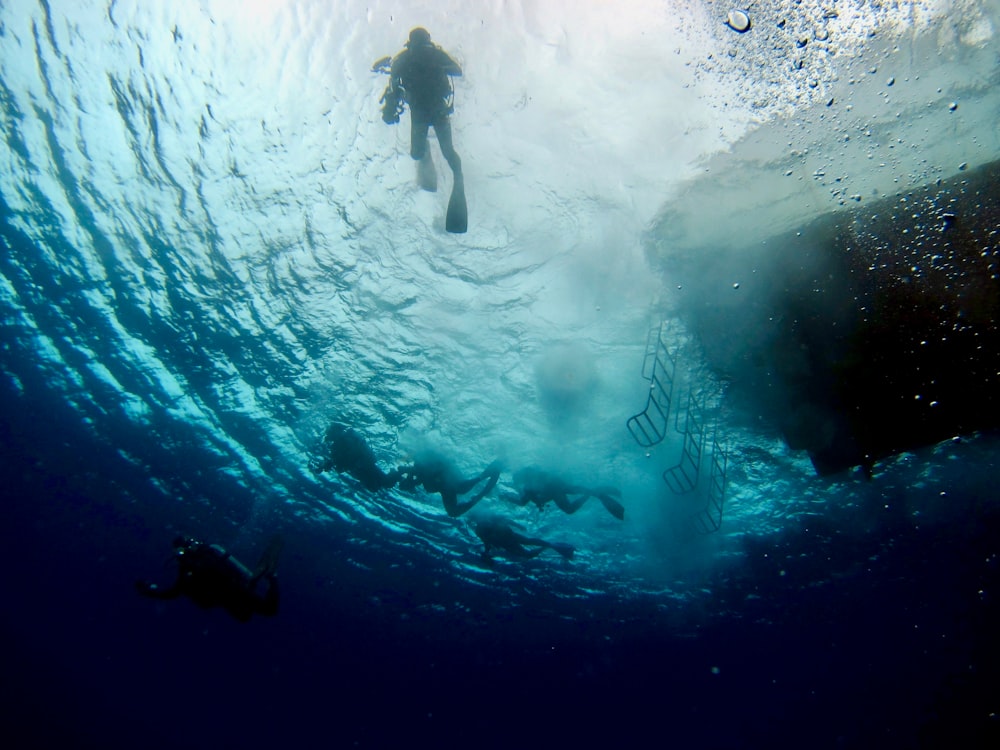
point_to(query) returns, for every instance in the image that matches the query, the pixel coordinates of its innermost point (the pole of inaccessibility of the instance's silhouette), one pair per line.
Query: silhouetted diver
(540, 487)
(420, 77)
(498, 534)
(438, 474)
(349, 453)
(211, 577)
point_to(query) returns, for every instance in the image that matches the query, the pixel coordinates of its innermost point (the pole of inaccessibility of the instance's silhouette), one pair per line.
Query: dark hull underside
(868, 332)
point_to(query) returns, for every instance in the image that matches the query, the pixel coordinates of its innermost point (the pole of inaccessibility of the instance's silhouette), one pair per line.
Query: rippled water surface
(212, 247)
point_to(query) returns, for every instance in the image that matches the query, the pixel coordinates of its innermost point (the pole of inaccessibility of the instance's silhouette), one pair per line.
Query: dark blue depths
(858, 631)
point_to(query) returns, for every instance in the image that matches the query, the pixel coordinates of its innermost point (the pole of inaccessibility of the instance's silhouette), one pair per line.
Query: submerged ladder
(709, 518)
(683, 477)
(649, 426)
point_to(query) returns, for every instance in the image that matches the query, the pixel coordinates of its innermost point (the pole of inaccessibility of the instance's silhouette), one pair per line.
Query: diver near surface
(499, 534)
(350, 454)
(540, 487)
(437, 474)
(211, 577)
(420, 76)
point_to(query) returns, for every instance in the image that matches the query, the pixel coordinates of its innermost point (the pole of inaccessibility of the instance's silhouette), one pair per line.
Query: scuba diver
(420, 76)
(350, 454)
(211, 577)
(437, 474)
(496, 533)
(540, 487)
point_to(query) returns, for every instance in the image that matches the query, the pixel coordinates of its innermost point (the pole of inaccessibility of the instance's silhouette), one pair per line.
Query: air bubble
(738, 21)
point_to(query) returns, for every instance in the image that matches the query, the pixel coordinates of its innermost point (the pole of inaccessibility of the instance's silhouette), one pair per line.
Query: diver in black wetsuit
(211, 577)
(350, 454)
(498, 534)
(419, 76)
(437, 474)
(540, 487)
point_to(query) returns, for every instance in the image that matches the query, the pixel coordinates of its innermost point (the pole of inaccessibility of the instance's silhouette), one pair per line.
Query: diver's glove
(389, 115)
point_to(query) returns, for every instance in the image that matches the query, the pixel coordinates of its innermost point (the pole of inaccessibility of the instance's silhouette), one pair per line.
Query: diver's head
(419, 37)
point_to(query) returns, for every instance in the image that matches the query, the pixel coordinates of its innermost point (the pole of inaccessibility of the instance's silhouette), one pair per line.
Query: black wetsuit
(350, 454)
(211, 577)
(438, 474)
(419, 76)
(540, 487)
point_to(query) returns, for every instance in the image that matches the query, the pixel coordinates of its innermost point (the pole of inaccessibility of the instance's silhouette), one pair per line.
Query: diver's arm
(154, 591)
(448, 64)
(400, 64)
(392, 97)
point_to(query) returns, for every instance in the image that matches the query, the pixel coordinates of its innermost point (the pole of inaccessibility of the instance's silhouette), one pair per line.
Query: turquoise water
(213, 247)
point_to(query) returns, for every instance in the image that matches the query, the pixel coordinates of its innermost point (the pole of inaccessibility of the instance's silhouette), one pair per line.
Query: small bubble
(736, 285)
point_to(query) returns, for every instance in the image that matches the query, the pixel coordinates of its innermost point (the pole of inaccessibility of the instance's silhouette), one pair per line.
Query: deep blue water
(208, 255)
(832, 636)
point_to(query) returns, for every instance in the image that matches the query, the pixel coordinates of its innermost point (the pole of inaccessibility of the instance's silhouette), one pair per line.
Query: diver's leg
(531, 541)
(418, 136)
(426, 174)
(613, 507)
(570, 506)
(155, 591)
(442, 127)
(566, 550)
(451, 504)
(492, 472)
(455, 507)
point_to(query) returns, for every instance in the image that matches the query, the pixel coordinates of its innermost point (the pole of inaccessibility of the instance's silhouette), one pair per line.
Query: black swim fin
(613, 507)
(457, 220)
(493, 472)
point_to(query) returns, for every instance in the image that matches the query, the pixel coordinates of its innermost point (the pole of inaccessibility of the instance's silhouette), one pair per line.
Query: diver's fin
(426, 174)
(566, 550)
(382, 65)
(457, 221)
(613, 507)
(493, 472)
(269, 560)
